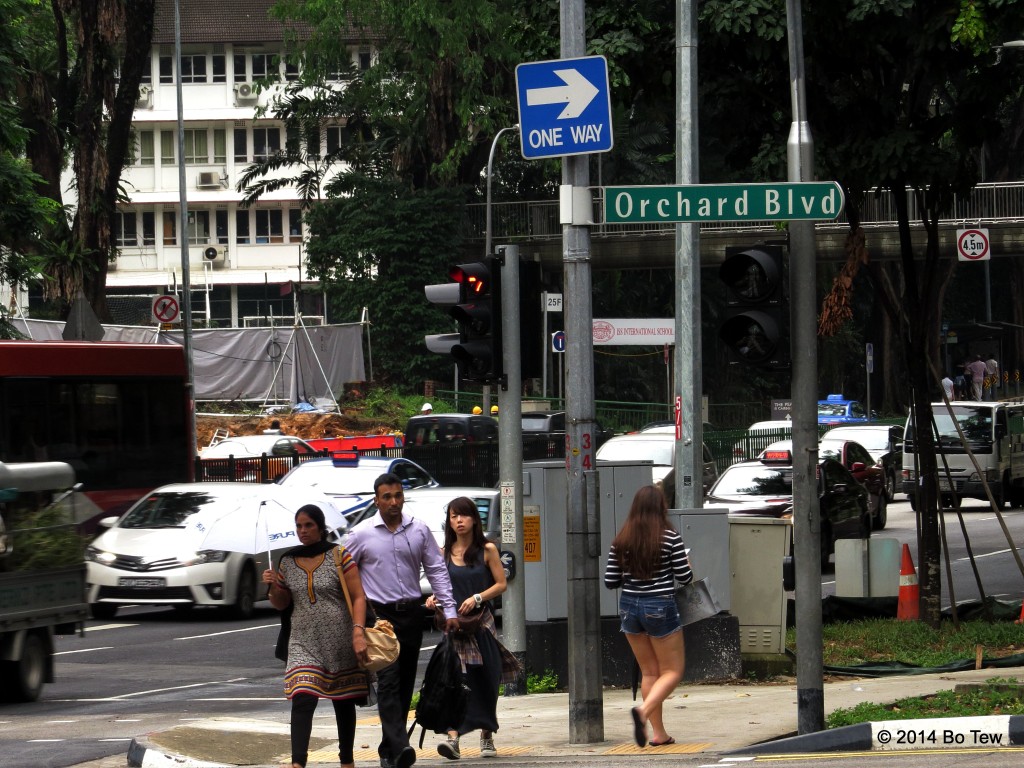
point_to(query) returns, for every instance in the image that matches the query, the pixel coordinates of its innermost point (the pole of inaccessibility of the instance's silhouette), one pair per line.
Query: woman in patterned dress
(326, 643)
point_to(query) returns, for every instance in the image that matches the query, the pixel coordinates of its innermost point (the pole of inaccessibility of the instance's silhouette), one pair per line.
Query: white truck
(42, 573)
(994, 431)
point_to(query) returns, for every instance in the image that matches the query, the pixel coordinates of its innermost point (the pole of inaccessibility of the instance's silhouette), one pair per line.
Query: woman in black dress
(477, 576)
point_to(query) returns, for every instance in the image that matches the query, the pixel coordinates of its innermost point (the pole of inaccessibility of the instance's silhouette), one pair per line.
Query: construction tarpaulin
(298, 363)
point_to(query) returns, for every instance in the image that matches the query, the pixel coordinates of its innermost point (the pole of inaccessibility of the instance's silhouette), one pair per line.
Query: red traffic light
(475, 278)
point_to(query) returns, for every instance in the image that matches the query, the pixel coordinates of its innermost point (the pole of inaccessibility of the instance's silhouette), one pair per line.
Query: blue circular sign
(558, 341)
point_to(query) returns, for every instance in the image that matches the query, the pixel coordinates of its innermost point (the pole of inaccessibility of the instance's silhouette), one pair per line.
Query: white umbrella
(271, 526)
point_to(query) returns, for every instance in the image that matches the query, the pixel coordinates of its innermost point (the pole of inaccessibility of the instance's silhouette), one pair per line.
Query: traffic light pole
(583, 527)
(806, 518)
(510, 464)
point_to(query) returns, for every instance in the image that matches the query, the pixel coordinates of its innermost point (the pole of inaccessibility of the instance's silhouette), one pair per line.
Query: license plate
(944, 484)
(142, 583)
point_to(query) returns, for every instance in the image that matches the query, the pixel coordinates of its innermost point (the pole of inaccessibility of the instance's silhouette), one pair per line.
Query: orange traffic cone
(908, 607)
(1021, 619)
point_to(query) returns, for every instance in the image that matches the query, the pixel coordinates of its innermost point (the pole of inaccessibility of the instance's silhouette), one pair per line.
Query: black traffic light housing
(756, 324)
(478, 313)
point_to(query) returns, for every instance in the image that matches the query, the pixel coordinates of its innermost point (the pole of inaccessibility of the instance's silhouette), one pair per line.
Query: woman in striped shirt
(646, 557)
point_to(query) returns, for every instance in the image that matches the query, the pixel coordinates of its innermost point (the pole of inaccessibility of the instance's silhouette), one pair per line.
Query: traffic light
(756, 322)
(478, 313)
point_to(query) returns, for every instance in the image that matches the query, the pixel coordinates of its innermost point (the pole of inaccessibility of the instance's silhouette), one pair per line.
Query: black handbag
(281, 649)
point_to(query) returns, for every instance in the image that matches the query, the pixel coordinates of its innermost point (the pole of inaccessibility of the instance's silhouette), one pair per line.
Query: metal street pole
(806, 520)
(689, 460)
(583, 526)
(186, 285)
(510, 462)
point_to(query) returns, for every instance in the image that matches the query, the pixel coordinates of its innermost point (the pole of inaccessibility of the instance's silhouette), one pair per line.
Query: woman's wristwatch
(478, 600)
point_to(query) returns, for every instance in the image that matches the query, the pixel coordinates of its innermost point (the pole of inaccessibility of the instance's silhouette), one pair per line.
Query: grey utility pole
(510, 462)
(689, 459)
(586, 715)
(810, 696)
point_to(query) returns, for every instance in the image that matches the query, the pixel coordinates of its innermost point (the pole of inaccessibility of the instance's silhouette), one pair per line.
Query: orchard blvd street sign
(811, 200)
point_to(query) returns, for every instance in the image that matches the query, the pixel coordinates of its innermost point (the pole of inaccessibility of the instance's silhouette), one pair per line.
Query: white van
(994, 431)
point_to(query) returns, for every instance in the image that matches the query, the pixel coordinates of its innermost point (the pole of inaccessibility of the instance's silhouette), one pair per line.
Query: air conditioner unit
(145, 100)
(245, 93)
(214, 254)
(209, 180)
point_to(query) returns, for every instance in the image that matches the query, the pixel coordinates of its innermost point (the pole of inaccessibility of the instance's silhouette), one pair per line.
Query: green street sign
(810, 200)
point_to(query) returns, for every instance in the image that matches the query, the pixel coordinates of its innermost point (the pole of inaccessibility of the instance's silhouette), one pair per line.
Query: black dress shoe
(405, 758)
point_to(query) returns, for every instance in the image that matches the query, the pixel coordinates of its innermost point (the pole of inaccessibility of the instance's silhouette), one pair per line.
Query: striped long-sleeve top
(673, 564)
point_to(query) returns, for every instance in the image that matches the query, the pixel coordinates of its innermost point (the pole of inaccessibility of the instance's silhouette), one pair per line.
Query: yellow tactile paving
(370, 755)
(679, 748)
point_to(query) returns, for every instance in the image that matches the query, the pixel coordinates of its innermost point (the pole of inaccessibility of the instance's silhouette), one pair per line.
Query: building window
(269, 226)
(167, 153)
(313, 143)
(193, 68)
(198, 227)
(333, 138)
(263, 64)
(148, 228)
(292, 142)
(222, 227)
(291, 71)
(294, 225)
(147, 149)
(266, 142)
(196, 148)
(170, 228)
(125, 233)
(365, 59)
(242, 227)
(241, 145)
(166, 69)
(220, 145)
(220, 70)
(147, 71)
(241, 68)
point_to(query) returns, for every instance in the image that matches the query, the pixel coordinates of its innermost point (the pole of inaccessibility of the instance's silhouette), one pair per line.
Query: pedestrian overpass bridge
(535, 227)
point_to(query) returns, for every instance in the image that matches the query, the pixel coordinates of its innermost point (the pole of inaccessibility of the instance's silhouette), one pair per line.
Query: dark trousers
(395, 683)
(303, 707)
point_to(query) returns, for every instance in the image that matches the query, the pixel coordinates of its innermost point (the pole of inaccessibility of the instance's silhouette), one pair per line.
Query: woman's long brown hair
(638, 542)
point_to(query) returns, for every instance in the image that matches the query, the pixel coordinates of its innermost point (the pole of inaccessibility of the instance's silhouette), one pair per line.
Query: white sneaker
(487, 747)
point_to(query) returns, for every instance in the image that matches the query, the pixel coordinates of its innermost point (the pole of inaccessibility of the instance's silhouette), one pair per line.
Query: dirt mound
(308, 426)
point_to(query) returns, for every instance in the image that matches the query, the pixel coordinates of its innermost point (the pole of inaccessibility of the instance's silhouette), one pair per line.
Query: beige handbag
(381, 642)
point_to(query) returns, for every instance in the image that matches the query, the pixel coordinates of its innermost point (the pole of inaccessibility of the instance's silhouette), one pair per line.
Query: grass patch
(998, 697)
(846, 644)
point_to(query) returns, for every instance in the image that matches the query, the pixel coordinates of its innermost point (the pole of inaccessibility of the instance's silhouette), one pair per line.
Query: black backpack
(444, 695)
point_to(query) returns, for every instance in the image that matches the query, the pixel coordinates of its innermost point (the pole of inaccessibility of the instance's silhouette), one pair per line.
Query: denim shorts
(656, 616)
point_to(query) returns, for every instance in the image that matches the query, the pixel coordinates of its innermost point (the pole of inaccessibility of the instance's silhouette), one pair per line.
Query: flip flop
(669, 740)
(639, 732)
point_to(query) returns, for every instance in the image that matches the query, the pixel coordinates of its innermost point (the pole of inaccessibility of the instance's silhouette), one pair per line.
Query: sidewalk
(702, 718)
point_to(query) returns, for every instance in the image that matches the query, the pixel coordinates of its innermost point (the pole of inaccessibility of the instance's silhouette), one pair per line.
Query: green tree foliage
(376, 245)
(77, 80)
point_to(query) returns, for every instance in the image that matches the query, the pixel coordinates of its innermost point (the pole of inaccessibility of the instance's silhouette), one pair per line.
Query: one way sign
(564, 107)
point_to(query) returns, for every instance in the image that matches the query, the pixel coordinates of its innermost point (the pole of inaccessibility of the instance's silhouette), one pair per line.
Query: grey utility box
(757, 546)
(705, 533)
(868, 567)
(545, 520)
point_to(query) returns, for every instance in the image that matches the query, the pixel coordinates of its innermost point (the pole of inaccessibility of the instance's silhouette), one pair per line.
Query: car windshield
(830, 449)
(655, 451)
(172, 510)
(755, 481)
(976, 424)
(831, 409)
(872, 439)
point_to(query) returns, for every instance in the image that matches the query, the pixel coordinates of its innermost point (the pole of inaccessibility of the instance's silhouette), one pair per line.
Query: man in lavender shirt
(390, 548)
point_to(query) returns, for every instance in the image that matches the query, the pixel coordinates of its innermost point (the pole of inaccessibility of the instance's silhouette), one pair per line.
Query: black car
(544, 435)
(885, 444)
(765, 487)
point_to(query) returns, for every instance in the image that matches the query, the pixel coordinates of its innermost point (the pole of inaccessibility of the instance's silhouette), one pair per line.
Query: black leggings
(303, 706)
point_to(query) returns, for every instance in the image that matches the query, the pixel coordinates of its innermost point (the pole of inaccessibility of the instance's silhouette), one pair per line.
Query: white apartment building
(244, 263)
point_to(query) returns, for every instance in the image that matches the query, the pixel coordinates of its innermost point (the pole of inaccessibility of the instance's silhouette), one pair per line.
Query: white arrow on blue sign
(564, 107)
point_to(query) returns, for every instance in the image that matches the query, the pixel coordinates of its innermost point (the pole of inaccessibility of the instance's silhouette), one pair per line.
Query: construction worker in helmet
(494, 410)
(477, 410)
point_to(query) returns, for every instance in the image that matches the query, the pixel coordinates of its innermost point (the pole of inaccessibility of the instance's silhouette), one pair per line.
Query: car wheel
(949, 501)
(245, 600)
(103, 611)
(26, 675)
(1016, 496)
(881, 516)
(890, 486)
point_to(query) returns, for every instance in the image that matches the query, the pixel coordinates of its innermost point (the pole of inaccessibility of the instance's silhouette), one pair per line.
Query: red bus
(119, 413)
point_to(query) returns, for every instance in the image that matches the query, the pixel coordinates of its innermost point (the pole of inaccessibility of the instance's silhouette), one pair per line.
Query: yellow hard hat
(477, 410)
(494, 409)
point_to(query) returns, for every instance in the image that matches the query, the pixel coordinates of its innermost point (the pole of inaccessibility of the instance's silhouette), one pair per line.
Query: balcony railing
(990, 203)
